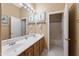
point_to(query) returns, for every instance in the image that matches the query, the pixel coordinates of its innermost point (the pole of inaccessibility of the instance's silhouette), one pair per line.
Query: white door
(15, 27)
(66, 30)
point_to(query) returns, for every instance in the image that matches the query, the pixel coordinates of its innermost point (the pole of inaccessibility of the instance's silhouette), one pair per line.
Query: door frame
(27, 30)
(55, 12)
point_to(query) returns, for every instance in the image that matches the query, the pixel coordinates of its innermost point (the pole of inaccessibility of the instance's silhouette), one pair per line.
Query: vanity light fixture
(28, 7)
(25, 5)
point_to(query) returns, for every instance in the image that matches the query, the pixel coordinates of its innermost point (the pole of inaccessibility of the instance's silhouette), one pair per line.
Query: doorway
(55, 34)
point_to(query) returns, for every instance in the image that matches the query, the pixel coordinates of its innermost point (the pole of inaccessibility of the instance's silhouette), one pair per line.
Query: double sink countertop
(21, 44)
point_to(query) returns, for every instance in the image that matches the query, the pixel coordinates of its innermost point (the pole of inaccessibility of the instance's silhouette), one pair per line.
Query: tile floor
(54, 51)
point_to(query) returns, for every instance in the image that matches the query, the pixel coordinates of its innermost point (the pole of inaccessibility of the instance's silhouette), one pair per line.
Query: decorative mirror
(5, 20)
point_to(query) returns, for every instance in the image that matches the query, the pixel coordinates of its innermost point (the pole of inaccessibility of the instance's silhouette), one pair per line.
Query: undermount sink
(14, 48)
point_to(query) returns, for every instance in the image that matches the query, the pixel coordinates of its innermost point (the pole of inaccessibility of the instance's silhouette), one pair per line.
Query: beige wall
(47, 7)
(10, 10)
(32, 28)
(23, 13)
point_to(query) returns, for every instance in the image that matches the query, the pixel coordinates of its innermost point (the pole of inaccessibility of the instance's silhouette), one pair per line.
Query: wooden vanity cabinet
(22, 54)
(29, 51)
(42, 45)
(36, 49)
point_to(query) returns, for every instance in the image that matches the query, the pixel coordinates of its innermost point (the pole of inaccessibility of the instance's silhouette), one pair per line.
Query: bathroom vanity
(31, 46)
(34, 50)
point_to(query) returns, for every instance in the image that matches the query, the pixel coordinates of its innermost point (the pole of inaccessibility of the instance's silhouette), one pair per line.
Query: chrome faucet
(12, 43)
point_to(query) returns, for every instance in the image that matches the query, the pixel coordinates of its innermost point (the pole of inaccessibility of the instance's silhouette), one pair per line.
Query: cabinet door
(36, 49)
(29, 51)
(41, 45)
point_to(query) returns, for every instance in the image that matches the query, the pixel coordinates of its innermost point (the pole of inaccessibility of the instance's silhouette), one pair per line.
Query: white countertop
(20, 46)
